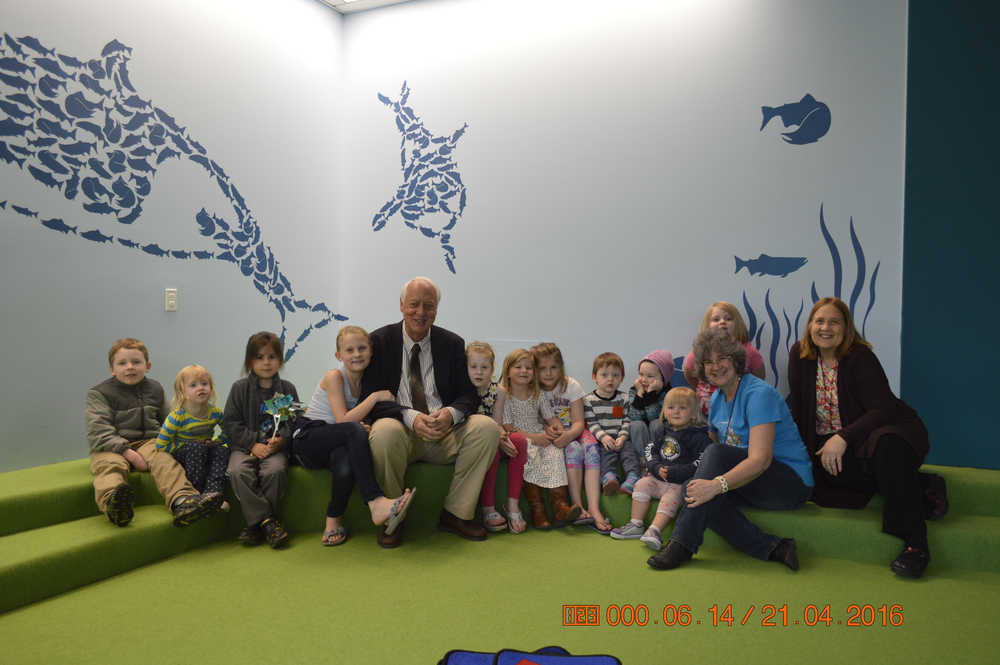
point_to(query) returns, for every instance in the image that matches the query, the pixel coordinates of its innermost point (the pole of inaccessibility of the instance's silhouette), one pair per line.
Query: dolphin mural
(811, 117)
(81, 128)
(778, 266)
(431, 181)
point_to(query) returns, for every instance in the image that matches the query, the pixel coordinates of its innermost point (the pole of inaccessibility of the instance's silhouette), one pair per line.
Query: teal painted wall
(950, 318)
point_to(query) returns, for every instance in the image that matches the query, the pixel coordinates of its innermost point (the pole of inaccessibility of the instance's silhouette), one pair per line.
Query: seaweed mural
(430, 178)
(784, 330)
(81, 128)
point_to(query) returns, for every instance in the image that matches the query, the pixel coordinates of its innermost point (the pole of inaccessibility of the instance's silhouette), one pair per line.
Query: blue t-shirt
(757, 403)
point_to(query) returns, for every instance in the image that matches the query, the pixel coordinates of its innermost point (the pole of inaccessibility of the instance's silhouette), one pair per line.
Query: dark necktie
(417, 396)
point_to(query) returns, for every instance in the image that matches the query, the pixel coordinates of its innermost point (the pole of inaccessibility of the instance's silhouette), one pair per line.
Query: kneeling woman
(331, 426)
(758, 460)
(861, 435)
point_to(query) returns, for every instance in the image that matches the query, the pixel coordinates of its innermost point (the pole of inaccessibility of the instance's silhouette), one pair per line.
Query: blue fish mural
(785, 329)
(811, 117)
(431, 185)
(97, 96)
(778, 266)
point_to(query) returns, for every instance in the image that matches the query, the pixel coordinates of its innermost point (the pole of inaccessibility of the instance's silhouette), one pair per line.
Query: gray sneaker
(651, 539)
(627, 531)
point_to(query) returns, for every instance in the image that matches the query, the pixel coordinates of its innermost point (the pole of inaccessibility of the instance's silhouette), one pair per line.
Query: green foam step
(43, 562)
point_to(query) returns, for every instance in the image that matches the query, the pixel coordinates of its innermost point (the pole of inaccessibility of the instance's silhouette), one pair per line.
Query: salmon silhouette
(112, 174)
(432, 185)
(811, 117)
(778, 266)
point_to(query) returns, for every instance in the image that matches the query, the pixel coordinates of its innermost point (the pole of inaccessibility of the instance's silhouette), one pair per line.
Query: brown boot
(533, 494)
(562, 512)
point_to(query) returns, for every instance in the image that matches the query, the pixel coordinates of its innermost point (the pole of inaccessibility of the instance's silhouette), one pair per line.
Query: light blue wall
(613, 165)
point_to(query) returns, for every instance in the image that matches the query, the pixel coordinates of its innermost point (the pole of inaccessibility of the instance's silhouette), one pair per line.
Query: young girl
(645, 405)
(479, 359)
(257, 458)
(670, 461)
(525, 414)
(188, 433)
(564, 395)
(330, 434)
(725, 316)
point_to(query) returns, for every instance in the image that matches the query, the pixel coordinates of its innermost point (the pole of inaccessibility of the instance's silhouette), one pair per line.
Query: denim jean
(778, 488)
(640, 434)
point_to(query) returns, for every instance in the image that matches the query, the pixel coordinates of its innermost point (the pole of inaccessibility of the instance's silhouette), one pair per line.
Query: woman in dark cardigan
(861, 436)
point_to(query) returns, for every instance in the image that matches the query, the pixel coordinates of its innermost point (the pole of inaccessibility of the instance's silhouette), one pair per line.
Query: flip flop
(398, 514)
(597, 527)
(332, 533)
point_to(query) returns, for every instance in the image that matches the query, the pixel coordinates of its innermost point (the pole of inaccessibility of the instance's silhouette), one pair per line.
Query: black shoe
(189, 509)
(671, 556)
(274, 532)
(784, 552)
(911, 562)
(251, 535)
(120, 505)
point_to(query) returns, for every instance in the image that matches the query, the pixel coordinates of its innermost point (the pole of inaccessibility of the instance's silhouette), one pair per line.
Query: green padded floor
(360, 604)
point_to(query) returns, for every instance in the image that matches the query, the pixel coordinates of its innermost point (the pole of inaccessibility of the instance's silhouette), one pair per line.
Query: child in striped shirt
(606, 412)
(188, 433)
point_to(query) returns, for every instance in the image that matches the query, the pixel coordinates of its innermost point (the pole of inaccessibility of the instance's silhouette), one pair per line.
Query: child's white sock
(654, 529)
(636, 522)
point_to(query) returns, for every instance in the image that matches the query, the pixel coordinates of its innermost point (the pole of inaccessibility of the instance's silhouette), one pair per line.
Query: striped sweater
(181, 427)
(606, 416)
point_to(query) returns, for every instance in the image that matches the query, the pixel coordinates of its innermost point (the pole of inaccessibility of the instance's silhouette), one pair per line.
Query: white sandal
(516, 518)
(493, 515)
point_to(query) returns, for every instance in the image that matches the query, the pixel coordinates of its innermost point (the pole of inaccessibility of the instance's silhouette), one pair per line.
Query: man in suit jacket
(434, 416)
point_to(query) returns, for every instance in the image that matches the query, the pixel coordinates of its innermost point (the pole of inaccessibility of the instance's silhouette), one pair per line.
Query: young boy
(123, 415)
(605, 410)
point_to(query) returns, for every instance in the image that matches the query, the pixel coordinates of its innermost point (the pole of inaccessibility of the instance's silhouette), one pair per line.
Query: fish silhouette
(24, 211)
(12, 44)
(53, 128)
(132, 138)
(16, 81)
(8, 156)
(15, 65)
(778, 266)
(57, 224)
(429, 178)
(35, 46)
(812, 118)
(14, 111)
(44, 177)
(96, 236)
(9, 127)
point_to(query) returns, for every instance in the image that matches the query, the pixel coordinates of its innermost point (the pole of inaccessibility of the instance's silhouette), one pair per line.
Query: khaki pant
(111, 470)
(471, 446)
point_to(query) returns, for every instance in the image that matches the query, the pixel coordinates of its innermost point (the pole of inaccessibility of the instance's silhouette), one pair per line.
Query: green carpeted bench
(52, 539)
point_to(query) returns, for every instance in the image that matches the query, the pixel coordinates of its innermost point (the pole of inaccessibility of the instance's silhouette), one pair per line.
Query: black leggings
(343, 449)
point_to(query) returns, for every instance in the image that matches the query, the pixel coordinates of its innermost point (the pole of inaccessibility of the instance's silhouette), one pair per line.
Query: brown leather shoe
(562, 512)
(467, 529)
(390, 541)
(533, 495)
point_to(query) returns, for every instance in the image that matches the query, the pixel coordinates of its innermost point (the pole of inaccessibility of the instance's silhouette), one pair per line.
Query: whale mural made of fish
(81, 128)
(432, 187)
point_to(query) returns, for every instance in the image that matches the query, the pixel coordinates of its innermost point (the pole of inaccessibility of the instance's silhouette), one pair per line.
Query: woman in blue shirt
(758, 459)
